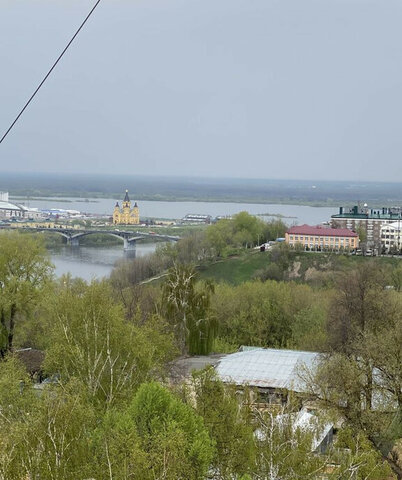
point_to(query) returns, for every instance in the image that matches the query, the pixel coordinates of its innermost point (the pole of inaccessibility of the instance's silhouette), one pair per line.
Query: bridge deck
(76, 233)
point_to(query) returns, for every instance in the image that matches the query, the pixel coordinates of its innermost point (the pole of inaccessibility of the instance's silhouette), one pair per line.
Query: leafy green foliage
(25, 270)
(285, 449)
(243, 230)
(359, 460)
(91, 340)
(106, 343)
(229, 423)
(270, 314)
(42, 437)
(186, 306)
(171, 433)
(361, 378)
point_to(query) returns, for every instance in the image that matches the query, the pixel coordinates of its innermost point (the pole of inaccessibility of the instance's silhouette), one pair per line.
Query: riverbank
(165, 198)
(94, 198)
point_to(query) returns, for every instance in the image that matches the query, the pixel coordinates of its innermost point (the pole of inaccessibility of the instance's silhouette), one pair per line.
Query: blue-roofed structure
(266, 368)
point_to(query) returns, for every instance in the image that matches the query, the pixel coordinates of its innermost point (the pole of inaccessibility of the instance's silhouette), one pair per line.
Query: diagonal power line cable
(50, 71)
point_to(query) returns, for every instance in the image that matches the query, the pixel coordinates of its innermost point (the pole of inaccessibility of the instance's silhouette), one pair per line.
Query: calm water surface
(177, 210)
(93, 262)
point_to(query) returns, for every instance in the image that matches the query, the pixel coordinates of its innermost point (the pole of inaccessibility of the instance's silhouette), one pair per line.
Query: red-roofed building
(322, 238)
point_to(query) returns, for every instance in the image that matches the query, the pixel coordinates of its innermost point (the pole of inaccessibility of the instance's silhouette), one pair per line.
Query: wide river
(95, 262)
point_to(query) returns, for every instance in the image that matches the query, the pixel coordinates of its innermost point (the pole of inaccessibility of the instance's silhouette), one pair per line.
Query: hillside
(300, 267)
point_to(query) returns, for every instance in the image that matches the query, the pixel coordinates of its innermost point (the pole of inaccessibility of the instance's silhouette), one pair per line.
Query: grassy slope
(235, 270)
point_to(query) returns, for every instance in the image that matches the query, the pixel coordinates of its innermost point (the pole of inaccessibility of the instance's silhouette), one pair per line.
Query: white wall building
(391, 236)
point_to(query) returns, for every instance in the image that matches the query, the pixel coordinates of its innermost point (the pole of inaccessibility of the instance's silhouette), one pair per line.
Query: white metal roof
(266, 368)
(8, 206)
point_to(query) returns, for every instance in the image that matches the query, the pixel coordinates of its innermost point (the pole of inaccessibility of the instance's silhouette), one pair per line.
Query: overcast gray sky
(242, 88)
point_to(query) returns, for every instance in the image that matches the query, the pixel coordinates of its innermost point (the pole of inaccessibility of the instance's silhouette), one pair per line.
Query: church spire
(126, 198)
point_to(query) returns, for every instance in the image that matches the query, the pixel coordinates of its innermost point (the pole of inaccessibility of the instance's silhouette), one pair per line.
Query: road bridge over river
(73, 235)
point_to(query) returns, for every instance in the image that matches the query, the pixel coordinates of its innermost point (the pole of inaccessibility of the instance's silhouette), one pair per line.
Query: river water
(95, 262)
(177, 210)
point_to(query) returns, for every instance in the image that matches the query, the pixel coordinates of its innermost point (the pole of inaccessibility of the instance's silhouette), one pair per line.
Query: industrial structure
(9, 210)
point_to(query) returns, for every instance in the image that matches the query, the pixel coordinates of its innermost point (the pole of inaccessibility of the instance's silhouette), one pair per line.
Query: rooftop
(323, 231)
(9, 206)
(182, 367)
(357, 212)
(265, 368)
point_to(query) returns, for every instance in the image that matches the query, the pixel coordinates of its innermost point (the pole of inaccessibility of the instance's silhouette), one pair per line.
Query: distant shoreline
(51, 197)
(163, 198)
(91, 188)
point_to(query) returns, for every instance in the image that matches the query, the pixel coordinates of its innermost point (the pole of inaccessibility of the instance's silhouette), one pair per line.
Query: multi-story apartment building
(366, 220)
(322, 238)
(391, 236)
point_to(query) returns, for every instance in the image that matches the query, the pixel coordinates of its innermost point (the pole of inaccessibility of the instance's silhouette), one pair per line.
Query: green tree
(243, 230)
(186, 306)
(275, 229)
(55, 443)
(363, 322)
(90, 339)
(219, 236)
(358, 459)
(42, 436)
(268, 314)
(247, 228)
(17, 400)
(25, 270)
(360, 304)
(285, 449)
(229, 422)
(117, 448)
(308, 328)
(363, 385)
(173, 436)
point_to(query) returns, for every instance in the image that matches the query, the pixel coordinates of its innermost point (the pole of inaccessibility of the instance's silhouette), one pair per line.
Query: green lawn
(235, 270)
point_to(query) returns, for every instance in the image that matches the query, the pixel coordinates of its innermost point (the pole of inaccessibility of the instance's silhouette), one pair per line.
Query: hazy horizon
(281, 90)
(212, 178)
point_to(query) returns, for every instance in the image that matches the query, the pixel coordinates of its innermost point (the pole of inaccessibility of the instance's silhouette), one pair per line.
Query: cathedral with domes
(126, 215)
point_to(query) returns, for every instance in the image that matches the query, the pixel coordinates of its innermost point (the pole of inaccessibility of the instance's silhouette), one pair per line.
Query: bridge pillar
(73, 242)
(129, 245)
